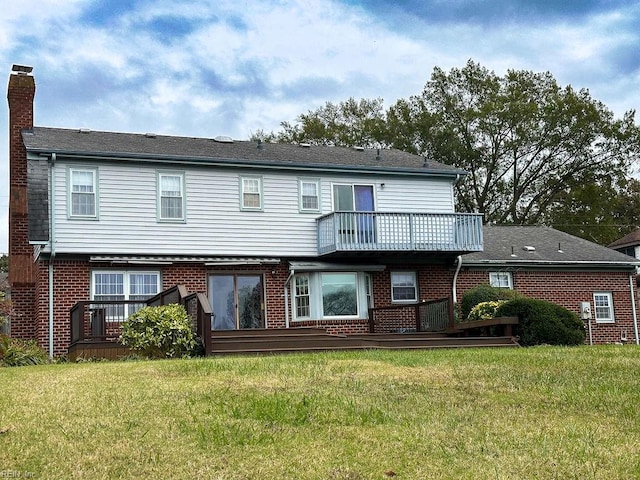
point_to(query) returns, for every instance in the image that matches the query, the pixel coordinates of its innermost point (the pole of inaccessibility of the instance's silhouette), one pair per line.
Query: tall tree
(525, 141)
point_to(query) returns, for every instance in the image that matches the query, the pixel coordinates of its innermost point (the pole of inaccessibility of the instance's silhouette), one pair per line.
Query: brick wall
(569, 289)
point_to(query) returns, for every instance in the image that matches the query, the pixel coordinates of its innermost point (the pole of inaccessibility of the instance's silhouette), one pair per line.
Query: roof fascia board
(581, 265)
(235, 162)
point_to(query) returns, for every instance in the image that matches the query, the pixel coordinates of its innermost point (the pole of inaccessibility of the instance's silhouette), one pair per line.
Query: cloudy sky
(218, 67)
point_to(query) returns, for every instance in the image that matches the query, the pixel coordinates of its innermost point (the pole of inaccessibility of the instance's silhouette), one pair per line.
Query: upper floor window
(353, 198)
(83, 187)
(309, 195)
(171, 196)
(251, 193)
(501, 279)
(603, 302)
(404, 287)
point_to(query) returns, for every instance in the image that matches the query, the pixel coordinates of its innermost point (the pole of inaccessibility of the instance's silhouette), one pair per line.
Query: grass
(542, 412)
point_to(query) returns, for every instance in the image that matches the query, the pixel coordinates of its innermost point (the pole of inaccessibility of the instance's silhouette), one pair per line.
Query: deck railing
(101, 320)
(428, 316)
(376, 231)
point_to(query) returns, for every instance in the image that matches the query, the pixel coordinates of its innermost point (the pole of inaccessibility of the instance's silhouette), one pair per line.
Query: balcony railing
(375, 231)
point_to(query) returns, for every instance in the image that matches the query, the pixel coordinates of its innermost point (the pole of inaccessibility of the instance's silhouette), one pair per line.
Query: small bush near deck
(484, 293)
(15, 352)
(485, 310)
(159, 332)
(543, 322)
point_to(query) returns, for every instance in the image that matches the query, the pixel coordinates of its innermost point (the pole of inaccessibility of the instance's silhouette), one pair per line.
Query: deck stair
(315, 339)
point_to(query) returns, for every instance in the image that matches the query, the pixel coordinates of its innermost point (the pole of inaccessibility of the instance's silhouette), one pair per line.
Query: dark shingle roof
(631, 239)
(507, 245)
(207, 150)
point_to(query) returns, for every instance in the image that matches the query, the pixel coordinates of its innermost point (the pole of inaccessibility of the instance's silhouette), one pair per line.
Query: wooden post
(417, 314)
(452, 318)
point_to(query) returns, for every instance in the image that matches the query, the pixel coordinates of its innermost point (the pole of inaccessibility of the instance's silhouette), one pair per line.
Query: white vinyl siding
(309, 195)
(501, 279)
(603, 307)
(82, 193)
(171, 196)
(251, 193)
(128, 213)
(404, 287)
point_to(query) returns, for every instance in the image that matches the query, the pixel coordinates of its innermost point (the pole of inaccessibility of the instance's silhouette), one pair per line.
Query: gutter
(455, 279)
(235, 162)
(633, 309)
(52, 255)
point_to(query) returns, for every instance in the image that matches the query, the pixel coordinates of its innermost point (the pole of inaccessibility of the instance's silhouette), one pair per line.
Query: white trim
(260, 193)
(611, 317)
(183, 203)
(94, 179)
(316, 182)
(496, 281)
(415, 286)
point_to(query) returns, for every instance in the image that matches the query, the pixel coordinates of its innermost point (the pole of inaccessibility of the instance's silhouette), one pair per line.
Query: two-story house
(275, 236)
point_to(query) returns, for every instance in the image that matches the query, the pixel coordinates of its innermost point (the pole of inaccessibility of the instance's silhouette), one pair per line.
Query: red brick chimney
(22, 275)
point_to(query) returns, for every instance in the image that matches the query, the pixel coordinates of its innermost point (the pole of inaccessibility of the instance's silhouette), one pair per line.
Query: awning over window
(159, 260)
(300, 266)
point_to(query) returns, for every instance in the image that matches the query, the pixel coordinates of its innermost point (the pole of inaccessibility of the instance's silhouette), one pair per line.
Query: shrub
(484, 293)
(159, 332)
(543, 322)
(485, 310)
(15, 352)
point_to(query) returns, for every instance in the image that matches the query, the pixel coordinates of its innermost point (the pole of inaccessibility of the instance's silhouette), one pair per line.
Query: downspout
(455, 279)
(633, 309)
(286, 297)
(53, 247)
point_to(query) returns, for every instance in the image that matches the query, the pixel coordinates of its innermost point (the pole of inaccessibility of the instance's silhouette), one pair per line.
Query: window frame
(364, 296)
(260, 193)
(493, 276)
(70, 193)
(183, 197)
(297, 296)
(415, 286)
(126, 288)
(611, 317)
(301, 207)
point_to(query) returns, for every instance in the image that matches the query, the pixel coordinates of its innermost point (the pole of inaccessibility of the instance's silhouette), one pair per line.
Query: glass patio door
(359, 227)
(237, 301)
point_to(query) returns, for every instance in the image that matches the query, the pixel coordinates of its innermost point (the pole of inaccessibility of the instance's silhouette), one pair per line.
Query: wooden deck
(268, 341)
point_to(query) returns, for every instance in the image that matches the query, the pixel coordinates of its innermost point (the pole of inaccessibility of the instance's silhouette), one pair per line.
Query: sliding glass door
(237, 301)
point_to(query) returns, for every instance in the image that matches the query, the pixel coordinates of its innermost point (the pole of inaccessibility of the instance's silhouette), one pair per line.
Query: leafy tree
(527, 143)
(347, 123)
(523, 139)
(4, 263)
(601, 209)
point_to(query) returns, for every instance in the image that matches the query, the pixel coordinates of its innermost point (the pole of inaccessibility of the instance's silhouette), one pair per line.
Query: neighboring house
(629, 244)
(275, 235)
(544, 263)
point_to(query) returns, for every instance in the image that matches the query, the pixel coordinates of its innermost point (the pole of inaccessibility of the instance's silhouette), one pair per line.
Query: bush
(543, 322)
(159, 332)
(15, 352)
(485, 310)
(484, 293)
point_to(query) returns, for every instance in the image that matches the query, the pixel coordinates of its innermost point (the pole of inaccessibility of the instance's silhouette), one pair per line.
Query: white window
(330, 295)
(339, 295)
(171, 196)
(309, 195)
(501, 279)
(404, 287)
(301, 297)
(603, 302)
(251, 193)
(82, 199)
(123, 285)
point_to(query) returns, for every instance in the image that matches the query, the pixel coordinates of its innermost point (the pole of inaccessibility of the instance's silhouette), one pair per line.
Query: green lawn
(541, 412)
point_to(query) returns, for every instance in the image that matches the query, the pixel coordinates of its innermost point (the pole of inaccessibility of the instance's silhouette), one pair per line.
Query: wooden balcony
(399, 232)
